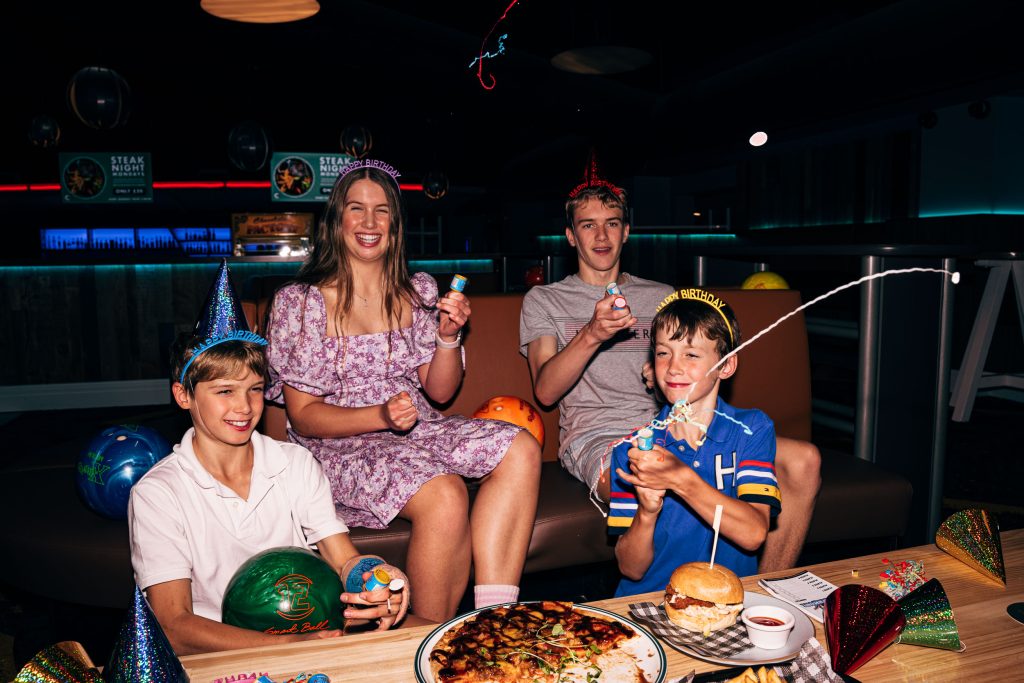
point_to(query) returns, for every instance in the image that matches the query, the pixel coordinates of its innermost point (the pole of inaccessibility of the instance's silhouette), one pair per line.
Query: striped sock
(494, 594)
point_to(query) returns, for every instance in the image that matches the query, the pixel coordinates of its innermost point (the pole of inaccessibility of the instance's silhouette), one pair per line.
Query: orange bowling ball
(514, 410)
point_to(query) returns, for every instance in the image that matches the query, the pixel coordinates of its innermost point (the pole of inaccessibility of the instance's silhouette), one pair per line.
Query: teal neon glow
(972, 212)
(243, 269)
(677, 235)
(812, 224)
(482, 265)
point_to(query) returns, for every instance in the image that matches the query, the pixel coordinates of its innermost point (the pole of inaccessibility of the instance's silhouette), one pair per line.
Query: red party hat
(972, 536)
(592, 177)
(860, 622)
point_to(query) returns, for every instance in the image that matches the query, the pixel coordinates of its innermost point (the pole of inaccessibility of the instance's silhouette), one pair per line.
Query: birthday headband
(617, 191)
(237, 335)
(371, 163)
(704, 296)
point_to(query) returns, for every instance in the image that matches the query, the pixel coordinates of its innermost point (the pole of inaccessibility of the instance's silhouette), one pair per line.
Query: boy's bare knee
(798, 465)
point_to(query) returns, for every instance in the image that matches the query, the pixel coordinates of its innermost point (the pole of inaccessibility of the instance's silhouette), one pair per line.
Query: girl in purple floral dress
(356, 348)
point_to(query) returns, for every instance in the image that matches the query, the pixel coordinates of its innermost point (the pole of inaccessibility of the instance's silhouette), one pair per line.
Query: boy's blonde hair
(610, 198)
(229, 359)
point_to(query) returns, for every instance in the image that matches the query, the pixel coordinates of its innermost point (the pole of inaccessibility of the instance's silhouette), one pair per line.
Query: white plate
(653, 665)
(802, 630)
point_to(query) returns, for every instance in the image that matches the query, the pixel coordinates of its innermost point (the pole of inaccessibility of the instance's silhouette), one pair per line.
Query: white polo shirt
(184, 524)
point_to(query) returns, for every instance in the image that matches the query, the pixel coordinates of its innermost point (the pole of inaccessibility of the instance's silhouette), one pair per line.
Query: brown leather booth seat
(858, 500)
(55, 546)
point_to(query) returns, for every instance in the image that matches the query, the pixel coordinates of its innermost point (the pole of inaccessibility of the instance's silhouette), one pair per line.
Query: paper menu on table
(805, 590)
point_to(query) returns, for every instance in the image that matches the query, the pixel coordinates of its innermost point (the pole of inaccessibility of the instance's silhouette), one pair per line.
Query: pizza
(546, 642)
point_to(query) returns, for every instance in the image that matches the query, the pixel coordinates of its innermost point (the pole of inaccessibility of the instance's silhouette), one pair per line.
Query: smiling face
(366, 221)
(681, 367)
(224, 411)
(598, 232)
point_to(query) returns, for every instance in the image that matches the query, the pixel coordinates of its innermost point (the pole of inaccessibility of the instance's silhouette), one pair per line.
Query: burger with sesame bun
(703, 598)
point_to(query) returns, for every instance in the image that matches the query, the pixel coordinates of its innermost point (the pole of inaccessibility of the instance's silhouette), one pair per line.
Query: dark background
(840, 87)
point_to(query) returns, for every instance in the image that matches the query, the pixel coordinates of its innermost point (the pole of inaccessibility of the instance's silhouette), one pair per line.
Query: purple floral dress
(374, 475)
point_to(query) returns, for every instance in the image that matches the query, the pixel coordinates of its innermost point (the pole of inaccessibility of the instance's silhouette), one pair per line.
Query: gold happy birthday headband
(695, 294)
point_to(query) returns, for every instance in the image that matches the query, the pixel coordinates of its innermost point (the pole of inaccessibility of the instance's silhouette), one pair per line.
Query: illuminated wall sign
(106, 177)
(305, 177)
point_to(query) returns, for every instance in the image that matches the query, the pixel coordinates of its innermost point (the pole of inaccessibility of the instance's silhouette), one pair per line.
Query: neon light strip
(186, 185)
(247, 184)
(189, 185)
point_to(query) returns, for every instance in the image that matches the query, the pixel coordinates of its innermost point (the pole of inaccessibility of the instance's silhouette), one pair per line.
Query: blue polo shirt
(738, 464)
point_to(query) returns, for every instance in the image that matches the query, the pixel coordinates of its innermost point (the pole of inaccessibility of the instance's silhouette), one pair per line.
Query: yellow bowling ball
(765, 280)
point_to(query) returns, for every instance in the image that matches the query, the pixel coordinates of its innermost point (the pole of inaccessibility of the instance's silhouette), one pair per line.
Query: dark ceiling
(719, 72)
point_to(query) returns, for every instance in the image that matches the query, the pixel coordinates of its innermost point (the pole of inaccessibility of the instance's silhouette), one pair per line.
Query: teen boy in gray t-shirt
(610, 396)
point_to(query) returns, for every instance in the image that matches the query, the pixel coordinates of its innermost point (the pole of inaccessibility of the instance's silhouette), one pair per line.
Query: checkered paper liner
(810, 666)
(720, 644)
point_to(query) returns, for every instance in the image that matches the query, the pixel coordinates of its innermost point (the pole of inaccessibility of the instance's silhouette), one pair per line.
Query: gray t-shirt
(610, 398)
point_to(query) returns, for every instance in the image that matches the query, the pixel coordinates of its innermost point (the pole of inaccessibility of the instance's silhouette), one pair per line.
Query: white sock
(494, 594)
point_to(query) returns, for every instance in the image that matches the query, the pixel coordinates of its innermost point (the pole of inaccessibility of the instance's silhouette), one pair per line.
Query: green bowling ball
(284, 591)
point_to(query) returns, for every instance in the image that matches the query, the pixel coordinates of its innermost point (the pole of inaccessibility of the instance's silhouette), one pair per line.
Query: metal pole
(941, 419)
(549, 268)
(867, 361)
(504, 273)
(700, 275)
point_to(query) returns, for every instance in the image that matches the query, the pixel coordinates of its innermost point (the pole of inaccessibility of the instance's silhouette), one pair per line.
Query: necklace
(363, 301)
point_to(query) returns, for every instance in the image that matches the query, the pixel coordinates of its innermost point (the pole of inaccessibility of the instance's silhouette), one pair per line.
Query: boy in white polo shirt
(227, 492)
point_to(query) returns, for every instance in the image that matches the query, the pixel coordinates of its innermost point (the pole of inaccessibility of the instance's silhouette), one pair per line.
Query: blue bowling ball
(111, 464)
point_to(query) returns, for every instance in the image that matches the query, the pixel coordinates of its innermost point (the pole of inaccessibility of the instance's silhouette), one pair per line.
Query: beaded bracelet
(442, 344)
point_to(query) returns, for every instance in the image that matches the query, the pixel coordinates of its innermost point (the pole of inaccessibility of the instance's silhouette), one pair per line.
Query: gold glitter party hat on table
(65, 662)
(972, 536)
(930, 620)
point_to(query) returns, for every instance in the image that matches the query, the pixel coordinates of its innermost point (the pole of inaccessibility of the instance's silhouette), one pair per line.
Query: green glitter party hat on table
(972, 536)
(930, 621)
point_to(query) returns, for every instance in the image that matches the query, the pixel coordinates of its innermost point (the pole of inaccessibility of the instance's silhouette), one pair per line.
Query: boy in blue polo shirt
(705, 453)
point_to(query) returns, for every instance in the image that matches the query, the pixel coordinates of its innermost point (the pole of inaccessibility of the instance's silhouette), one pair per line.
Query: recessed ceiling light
(758, 138)
(261, 11)
(601, 59)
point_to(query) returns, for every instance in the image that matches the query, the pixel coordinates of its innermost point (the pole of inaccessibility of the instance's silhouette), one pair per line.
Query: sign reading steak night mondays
(304, 177)
(106, 177)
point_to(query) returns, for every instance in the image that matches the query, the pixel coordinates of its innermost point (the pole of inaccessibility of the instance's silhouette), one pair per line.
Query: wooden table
(995, 642)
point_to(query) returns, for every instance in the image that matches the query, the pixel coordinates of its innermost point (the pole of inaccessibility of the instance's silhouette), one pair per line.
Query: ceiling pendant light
(261, 11)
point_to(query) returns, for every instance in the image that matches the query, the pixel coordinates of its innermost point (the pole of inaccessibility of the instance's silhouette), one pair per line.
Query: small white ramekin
(768, 637)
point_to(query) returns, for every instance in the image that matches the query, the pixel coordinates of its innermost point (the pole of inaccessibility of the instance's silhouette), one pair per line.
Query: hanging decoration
(435, 184)
(248, 146)
(356, 141)
(44, 132)
(483, 55)
(99, 97)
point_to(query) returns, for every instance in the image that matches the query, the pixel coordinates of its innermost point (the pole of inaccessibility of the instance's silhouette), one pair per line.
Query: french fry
(748, 676)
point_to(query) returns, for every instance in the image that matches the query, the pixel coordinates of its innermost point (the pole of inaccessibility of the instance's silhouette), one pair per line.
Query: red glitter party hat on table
(972, 536)
(929, 618)
(860, 622)
(142, 653)
(65, 662)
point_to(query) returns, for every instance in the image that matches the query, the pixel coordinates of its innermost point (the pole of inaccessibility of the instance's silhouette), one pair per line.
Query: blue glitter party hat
(142, 653)
(221, 319)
